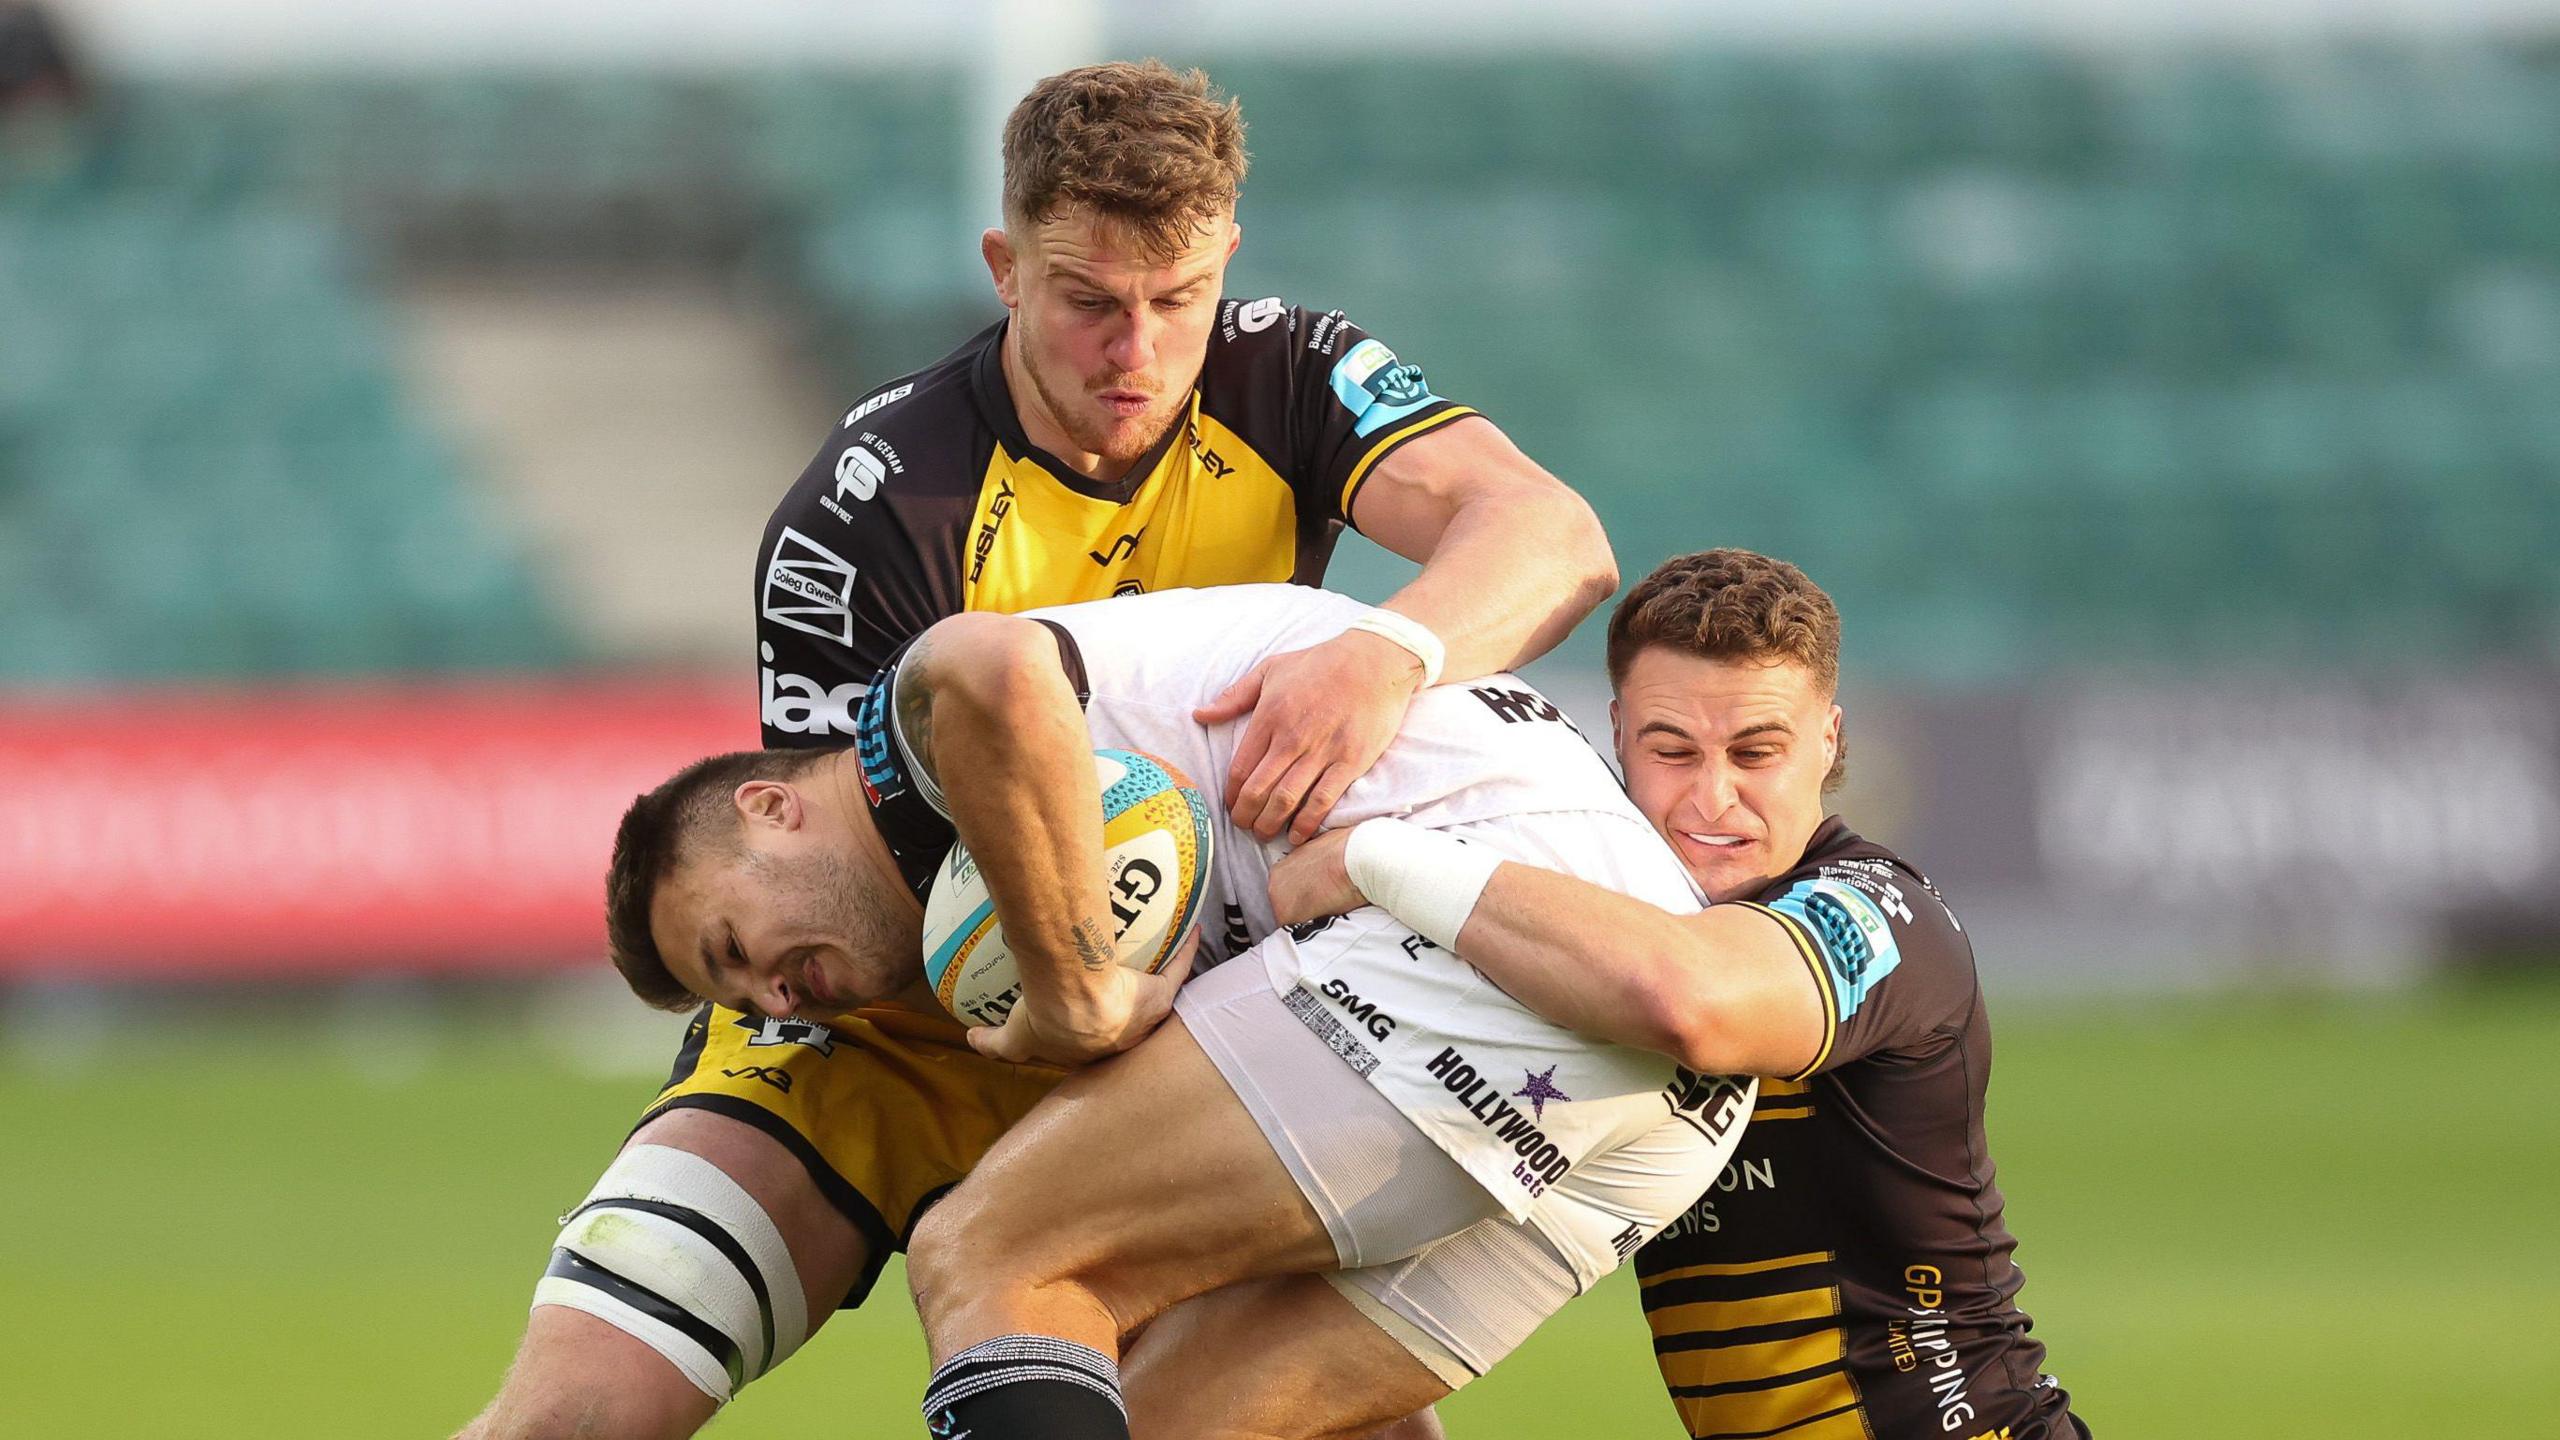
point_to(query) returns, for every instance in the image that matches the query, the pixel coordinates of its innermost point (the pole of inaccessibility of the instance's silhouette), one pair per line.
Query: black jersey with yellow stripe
(928, 499)
(1850, 1276)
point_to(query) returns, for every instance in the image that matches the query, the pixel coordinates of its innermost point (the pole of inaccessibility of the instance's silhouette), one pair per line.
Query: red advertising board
(329, 829)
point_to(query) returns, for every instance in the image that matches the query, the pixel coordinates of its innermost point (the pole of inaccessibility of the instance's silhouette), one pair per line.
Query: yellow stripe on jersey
(1773, 1088)
(1783, 1112)
(1212, 512)
(1725, 1364)
(1700, 1315)
(1741, 1267)
(1360, 472)
(1821, 978)
(1718, 1417)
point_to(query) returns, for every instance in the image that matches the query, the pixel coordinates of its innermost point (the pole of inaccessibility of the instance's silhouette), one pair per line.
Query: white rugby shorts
(1418, 1235)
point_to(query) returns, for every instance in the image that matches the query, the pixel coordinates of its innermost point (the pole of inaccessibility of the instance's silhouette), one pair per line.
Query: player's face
(783, 927)
(1110, 339)
(1726, 758)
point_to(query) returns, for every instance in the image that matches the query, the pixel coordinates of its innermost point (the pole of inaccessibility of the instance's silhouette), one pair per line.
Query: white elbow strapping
(1429, 880)
(669, 1250)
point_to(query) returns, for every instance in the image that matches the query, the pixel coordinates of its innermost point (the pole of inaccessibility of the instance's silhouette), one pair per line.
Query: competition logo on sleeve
(809, 587)
(1375, 386)
(1857, 945)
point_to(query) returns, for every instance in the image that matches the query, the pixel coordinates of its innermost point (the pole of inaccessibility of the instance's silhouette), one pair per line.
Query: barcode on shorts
(1336, 1036)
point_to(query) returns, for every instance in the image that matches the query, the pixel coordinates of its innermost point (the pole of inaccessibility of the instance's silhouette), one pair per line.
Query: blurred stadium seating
(2038, 358)
(2048, 361)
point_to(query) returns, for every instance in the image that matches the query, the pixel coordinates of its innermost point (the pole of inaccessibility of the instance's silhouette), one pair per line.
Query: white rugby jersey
(1482, 750)
(1489, 756)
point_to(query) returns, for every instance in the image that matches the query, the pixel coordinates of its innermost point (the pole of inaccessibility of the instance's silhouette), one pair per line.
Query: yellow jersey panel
(1211, 512)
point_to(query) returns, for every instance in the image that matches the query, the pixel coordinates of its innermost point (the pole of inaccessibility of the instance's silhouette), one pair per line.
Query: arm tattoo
(1093, 944)
(915, 700)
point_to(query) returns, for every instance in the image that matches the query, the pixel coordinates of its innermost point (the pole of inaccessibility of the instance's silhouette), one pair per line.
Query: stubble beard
(1090, 436)
(827, 894)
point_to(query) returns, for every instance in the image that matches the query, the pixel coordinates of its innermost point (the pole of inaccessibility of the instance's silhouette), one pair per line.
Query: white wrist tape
(1426, 879)
(1413, 635)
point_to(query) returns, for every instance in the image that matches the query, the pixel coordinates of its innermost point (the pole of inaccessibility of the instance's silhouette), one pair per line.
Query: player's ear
(1235, 236)
(997, 248)
(1831, 739)
(1617, 736)
(769, 803)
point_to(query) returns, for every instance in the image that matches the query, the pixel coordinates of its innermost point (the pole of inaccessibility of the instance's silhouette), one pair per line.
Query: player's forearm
(1596, 962)
(1003, 735)
(1514, 570)
(1721, 990)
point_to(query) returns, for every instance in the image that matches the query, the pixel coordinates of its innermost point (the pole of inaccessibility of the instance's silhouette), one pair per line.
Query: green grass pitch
(2238, 1218)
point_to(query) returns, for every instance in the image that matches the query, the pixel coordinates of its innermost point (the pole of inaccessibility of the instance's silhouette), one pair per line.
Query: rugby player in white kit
(1347, 1097)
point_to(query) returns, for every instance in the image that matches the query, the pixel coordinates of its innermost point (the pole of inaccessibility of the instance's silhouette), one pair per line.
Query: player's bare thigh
(576, 1375)
(1137, 1184)
(1287, 1356)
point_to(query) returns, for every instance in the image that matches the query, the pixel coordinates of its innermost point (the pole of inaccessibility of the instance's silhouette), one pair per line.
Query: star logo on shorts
(1538, 1089)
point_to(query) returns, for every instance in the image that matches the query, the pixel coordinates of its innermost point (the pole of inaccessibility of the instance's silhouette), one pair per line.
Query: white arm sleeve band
(671, 1251)
(1413, 635)
(1426, 879)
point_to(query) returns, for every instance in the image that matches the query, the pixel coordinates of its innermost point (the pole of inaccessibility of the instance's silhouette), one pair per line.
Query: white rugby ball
(1156, 852)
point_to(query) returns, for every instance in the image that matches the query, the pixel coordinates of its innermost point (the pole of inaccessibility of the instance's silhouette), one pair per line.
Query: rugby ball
(1155, 851)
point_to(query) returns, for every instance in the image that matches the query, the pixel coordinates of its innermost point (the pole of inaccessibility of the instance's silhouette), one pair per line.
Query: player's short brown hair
(1732, 605)
(1155, 151)
(691, 809)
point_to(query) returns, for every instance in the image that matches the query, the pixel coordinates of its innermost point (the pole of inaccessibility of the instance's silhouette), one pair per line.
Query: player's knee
(576, 1378)
(672, 1252)
(970, 1245)
(937, 1265)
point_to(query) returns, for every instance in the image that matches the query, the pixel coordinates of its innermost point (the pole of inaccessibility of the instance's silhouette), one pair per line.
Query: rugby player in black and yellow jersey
(1849, 1277)
(1124, 428)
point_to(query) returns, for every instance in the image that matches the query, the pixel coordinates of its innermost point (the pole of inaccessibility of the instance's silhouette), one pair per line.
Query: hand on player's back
(1311, 881)
(1320, 718)
(1114, 1013)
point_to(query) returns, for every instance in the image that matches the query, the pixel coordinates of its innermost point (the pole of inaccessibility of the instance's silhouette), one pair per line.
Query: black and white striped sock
(1026, 1387)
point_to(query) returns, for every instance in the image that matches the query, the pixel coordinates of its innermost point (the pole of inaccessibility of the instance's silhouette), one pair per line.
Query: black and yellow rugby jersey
(927, 499)
(1849, 1275)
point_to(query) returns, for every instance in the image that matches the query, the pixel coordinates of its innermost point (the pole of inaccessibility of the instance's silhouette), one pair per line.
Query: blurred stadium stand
(2052, 363)
(2037, 358)
(2168, 389)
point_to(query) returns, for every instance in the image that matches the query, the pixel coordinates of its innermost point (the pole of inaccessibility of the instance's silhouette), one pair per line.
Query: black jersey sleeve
(853, 565)
(1322, 398)
(1356, 402)
(1893, 966)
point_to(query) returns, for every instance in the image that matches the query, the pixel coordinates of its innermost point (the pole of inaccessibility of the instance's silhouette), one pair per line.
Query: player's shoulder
(1856, 896)
(937, 407)
(1270, 336)
(921, 436)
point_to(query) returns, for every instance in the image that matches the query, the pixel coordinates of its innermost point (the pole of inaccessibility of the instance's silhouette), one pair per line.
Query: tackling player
(1345, 1096)
(1849, 1276)
(1124, 429)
